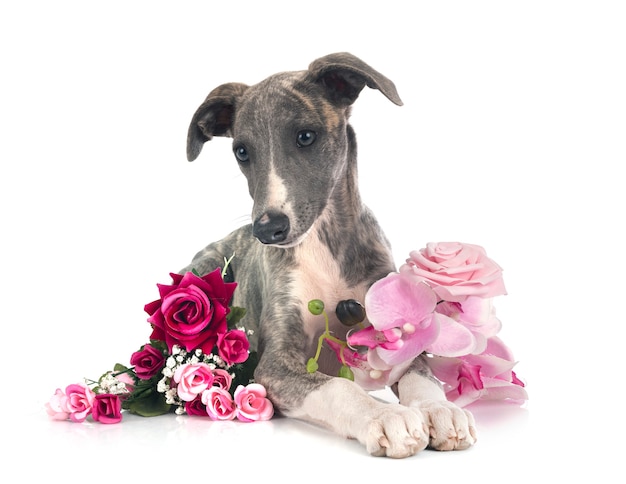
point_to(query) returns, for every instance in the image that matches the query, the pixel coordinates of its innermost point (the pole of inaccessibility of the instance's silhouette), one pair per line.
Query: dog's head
(290, 137)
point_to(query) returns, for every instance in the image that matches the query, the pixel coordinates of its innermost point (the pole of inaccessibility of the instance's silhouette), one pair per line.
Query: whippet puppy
(311, 237)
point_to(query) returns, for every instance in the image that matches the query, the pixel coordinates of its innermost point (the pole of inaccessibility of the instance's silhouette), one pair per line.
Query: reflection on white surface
(160, 446)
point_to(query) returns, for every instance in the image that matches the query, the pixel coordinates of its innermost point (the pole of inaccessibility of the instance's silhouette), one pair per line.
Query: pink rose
(222, 379)
(219, 404)
(252, 404)
(233, 346)
(107, 408)
(148, 361)
(192, 311)
(79, 402)
(56, 407)
(192, 380)
(196, 407)
(456, 271)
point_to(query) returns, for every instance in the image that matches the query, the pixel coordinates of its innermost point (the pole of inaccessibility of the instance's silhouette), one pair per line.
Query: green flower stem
(226, 264)
(326, 335)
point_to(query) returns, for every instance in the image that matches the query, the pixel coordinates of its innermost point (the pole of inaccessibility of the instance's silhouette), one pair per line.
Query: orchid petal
(364, 337)
(396, 299)
(413, 344)
(491, 366)
(454, 339)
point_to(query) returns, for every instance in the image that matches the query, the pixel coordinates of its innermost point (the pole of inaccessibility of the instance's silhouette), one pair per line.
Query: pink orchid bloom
(401, 316)
(370, 373)
(477, 315)
(404, 323)
(487, 376)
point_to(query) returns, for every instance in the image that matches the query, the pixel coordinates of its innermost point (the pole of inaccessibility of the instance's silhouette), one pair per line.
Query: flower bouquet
(197, 361)
(439, 302)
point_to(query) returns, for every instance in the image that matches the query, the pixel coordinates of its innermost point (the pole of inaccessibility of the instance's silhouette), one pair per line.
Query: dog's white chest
(318, 276)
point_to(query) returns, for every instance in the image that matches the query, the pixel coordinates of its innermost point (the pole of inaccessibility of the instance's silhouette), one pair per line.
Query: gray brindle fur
(312, 238)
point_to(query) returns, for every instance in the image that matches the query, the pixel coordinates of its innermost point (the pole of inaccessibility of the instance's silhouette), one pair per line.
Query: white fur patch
(277, 193)
(319, 277)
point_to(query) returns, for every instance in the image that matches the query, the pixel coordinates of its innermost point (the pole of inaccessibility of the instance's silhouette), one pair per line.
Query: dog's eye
(241, 153)
(306, 137)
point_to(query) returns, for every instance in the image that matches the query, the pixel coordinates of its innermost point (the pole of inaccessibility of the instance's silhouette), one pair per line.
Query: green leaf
(160, 345)
(346, 372)
(234, 316)
(119, 368)
(151, 405)
(244, 372)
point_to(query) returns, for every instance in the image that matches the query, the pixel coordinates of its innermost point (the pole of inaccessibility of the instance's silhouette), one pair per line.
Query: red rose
(107, 408)
(192, 311)
(196, 407)
(148, 361)
(233, 346)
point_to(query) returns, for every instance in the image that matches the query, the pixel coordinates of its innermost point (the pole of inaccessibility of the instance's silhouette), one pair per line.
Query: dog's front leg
(450, 427)
(385, 429)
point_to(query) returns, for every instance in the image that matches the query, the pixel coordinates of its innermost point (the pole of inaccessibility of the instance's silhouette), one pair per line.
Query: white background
(512, 137)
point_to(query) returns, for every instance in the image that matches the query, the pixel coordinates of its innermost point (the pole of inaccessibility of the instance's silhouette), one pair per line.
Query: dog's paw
(450, 427)
(396, 431)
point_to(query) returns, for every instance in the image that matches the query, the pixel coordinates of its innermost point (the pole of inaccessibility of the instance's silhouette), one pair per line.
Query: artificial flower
(192, 380)
(148, 361)
(487, 376)
(456, 271)
(192, 310)
(107, 408)
(233, 346)
(252, 403)
(477, 315)
(219, 404)
(440, 303)
(401, 317)
(56, 407)
(196, 407)
(79, 401)
(197, 346)
(222, 379)
(404, 322)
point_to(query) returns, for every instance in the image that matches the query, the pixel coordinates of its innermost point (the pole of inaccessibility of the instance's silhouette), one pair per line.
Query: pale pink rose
(456, 271)
(219, 404)
(233, 346)
(79, 402)
(56, 407)
(192, 380)
(252, 403)
(222, 379)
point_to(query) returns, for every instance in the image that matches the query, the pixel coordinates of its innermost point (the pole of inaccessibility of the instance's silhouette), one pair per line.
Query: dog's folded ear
(214, 117)
(344, 76)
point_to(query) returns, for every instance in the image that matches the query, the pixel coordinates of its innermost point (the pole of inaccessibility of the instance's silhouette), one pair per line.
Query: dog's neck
(349, 232)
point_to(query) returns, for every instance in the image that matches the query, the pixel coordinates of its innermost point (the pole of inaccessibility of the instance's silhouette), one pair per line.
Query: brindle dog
(312, 238)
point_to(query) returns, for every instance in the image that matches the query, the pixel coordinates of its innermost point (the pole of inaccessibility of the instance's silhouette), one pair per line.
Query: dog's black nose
(271, 228)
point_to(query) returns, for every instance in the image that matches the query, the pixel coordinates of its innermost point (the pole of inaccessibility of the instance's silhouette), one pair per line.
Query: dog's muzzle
(271, 228)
